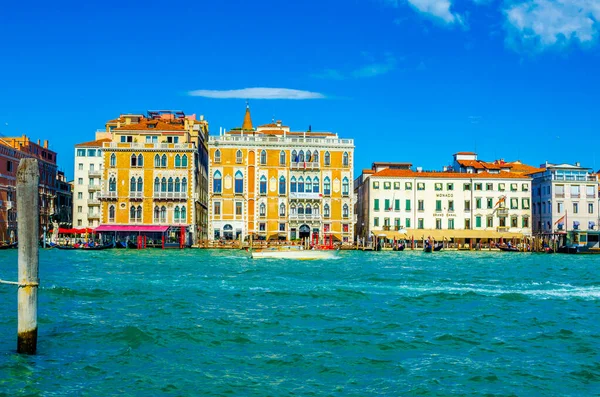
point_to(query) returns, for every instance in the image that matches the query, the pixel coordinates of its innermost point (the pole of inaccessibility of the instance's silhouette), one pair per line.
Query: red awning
(62, 230)
(131, 228)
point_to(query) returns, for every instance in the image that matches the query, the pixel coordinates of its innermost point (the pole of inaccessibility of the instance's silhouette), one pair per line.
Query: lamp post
(44, 228)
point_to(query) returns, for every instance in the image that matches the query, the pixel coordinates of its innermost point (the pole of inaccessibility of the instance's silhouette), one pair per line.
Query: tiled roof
(448, 175)
(518, 167)
(97, 143)
(468, 153)
(159, 125)
(471, 163)
(368, 172)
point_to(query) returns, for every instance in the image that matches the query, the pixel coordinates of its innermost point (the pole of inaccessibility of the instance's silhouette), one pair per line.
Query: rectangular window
(525, 221)
(477, 221)
(408, 186)
(451, 223)
(396, 205)
(91, 152)
(420, 223)
(438, 205)
(501, 187)
(282, 227)
(590, 208)
(450, 186)
(525, 203)
(559, 207)
(375, 185)
(80, 181)
(525, 187)
(79, 209)
(420, 205)
(376, 221)
(467, 205)
(388, 205)
(575, 208)
(238, 208)
(217, 208)
(467, 186)
(438, 186)
(590, 191)
(386, 222)
(489, 186)
(490, 202)
(478, 203)
(514, 203)
(407, 205)
(376, 204)
(81, 152)
(80, 166)
(467, 224)
(79, 222)
(438, 223)
(514, 221)
(559, 191)
(490, 221)
(387, 185)
(451, 205)
(420, 186)
(396, 185)
(478, 186)
(262, 227)
(407, 222)
(80, 195)
(513, 187)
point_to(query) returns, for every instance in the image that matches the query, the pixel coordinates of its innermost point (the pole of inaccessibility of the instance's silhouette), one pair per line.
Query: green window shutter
(387, 204)
(438, 205)
(376, 204)
(477, 221)
(397, 205)
(408, 205)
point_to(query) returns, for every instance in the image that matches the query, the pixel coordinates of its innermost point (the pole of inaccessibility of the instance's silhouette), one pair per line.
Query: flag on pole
(561, 219)
(500, 200)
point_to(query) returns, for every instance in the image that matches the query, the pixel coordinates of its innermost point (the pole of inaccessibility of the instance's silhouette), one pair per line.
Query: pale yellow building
(273, 183)
(151, 182)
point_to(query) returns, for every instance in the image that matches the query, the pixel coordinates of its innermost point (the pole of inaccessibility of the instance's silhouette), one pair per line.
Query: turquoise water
(215, 323)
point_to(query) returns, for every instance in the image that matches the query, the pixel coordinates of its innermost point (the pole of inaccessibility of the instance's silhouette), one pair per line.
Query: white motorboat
(293, 252)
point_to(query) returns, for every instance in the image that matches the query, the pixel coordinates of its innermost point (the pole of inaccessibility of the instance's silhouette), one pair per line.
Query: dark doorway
(304, 231)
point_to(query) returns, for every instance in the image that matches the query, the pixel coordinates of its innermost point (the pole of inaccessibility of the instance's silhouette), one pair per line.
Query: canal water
(215, 323)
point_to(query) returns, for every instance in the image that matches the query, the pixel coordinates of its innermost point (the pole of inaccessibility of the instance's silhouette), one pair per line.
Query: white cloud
(329, 74)
(545, 23)
(439, 9)
(258, 93)
(371, 69)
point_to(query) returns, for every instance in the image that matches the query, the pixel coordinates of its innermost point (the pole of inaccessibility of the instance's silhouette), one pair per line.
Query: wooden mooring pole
(28, 220)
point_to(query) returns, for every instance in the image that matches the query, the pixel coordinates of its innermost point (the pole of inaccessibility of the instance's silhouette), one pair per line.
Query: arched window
(282, 158)
(262, 188)
(293, 185)
(113, 160)
(281, 209)
(176, 214)
(301, 185)
(184, 185)
(170, 184)
(301, 156)
(140, 184)
(294, 156)
(308, 210)
(184, 163)
(326, 210)
(315, 185)
(217, 156)
(293, 209)
(132, 214)
(138, 213)
(263, 157)
(239, 182)
(133, 160)
(163, 184)
(326, 186)
(238, 156)
(345, 159)
(163, 214)
(300, 209)
(262, 209)
(182, 217)
(345, 186)
(156, 185)
(308, 185)
(112, 184)
(281, 184)
(327, 159)
(217, 186)
(315, 156)
(132, 184)
(156, 214)
(156, 161)
(140, 160)
(345, 211)
(316, 210)
(308, 156)
(177, 185)
(177, 161)
(163, 160)
(111, 213)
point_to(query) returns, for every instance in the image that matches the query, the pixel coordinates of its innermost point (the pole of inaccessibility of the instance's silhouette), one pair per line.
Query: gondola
(65, 247)
(82, 248)
(131, 244)
(120, 244)
(398, 247)
(438, 247)
(509, 249)
(7, 246)
(568, 250)
(428, 248)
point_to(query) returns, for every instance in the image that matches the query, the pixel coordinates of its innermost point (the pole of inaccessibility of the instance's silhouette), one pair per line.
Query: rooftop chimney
(577, 164)
(46, 143)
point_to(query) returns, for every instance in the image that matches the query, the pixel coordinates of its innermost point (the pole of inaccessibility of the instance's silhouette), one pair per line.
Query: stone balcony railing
(95, 173)
(305, 196)
(94, 188)
(305, 217)
(304, 165)
(170, 195)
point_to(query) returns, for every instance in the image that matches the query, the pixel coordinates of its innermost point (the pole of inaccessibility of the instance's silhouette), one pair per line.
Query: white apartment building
(397, 202)
(87, 184)
(565, 201)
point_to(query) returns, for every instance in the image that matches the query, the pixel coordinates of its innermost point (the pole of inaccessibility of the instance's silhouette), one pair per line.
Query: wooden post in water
(28, 218)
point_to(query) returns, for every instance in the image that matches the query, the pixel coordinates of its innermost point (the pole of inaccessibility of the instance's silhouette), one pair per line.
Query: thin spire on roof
(247, 125)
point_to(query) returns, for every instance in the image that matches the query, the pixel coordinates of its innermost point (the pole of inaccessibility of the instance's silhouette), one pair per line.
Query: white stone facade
(87, 185)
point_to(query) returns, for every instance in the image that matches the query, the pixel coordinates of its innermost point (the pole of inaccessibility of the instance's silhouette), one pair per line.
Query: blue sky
(409, 80)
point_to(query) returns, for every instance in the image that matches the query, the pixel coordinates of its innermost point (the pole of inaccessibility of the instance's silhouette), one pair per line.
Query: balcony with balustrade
(136, 195)
(93, 202)
(166, 196)
(110, 195)
(305, 217)
(304, 165)
(305, 196)
(94, 188)
(95, 173)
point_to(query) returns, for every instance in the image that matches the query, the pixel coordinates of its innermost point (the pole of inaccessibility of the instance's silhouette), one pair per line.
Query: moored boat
(509, 249)
(293, 252)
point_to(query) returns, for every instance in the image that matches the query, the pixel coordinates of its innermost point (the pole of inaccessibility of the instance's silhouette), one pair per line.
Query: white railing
(309, 196)
(95, 173)
(93, 202)
(143, 145)
(93, 188)
(170, 195)
(314, 217)
(93, 216)
(136, 195)
(108, 195)
(301, 165)
(260, 138)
